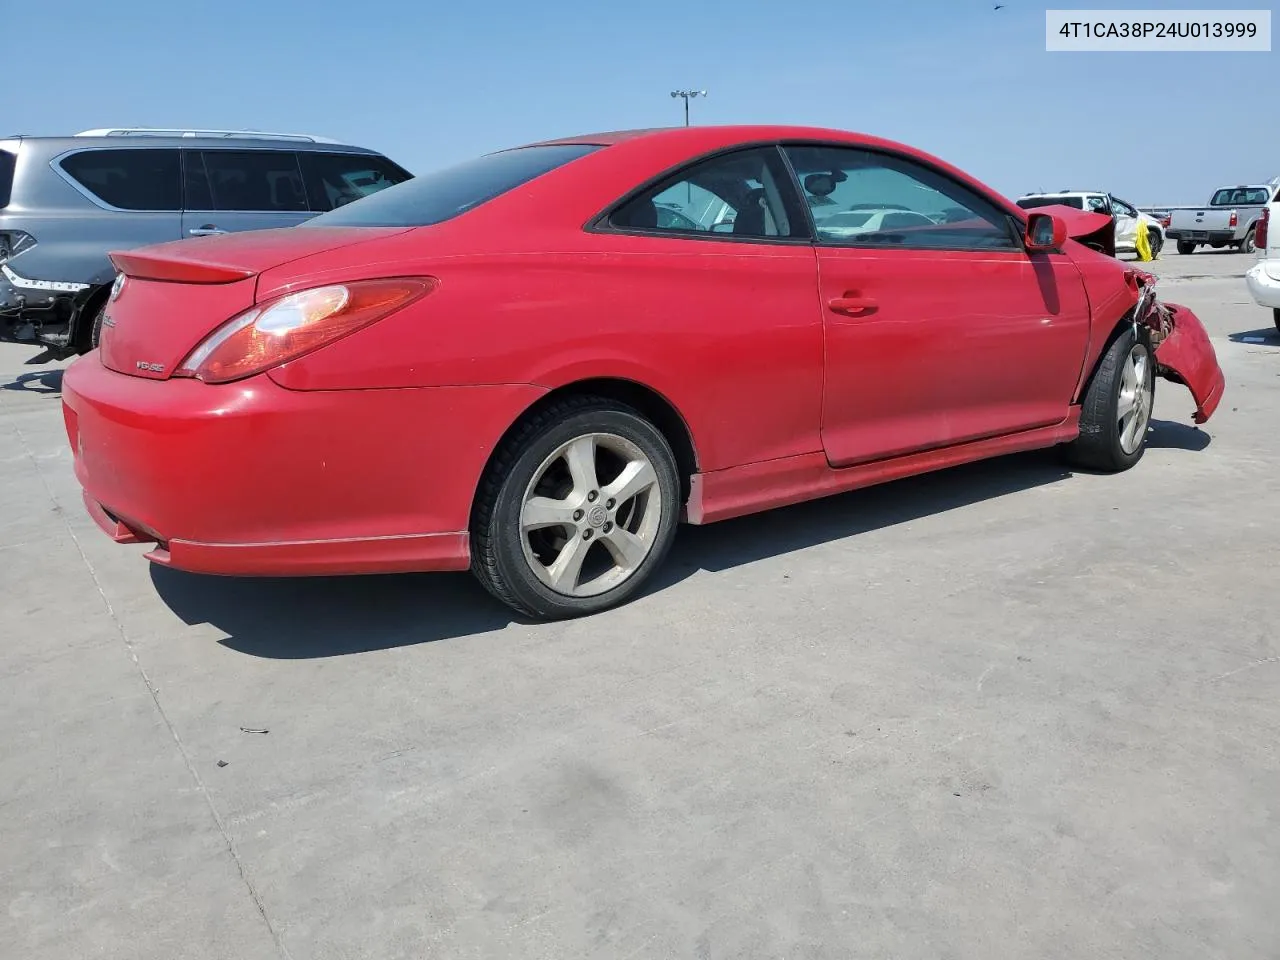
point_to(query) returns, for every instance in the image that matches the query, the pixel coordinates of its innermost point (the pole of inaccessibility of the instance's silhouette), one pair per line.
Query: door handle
(207, 230)
(852, 305)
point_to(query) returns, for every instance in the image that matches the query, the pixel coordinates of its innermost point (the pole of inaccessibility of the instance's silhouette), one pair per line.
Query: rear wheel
(1247, 245)
(577, 510)
(95, 331)
(1186, 246)
(1116, 411)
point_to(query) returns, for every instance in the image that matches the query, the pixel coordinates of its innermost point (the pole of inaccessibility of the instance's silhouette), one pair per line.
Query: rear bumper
(253, 479)
(1264, 288)
(1220, 237)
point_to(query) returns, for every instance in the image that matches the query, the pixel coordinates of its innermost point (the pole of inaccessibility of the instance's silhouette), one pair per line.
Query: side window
(195, 182)
(139, 179)
(336, 179)
(863, 198)
(263, 181)
(1098, 205)
(1123, 209)
(746, 194)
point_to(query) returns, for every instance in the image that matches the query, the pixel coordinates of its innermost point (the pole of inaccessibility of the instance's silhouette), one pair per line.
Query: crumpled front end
(1184, 352)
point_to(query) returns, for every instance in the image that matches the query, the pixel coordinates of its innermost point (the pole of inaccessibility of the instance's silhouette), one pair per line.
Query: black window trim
(55, 164)
(1012, 223)
(600, 223)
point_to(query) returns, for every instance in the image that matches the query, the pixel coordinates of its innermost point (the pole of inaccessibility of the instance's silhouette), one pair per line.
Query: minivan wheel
(577, 510)
(1116, 412)
(1186, 246)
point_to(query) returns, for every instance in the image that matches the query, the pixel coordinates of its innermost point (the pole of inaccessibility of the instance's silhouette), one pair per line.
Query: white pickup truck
(1228, 220)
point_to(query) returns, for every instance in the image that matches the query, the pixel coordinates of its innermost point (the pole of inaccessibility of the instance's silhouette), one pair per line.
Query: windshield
(439, 196)
(1235, 196)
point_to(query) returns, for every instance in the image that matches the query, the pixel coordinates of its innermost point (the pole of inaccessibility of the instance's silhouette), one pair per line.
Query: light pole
(687, 94)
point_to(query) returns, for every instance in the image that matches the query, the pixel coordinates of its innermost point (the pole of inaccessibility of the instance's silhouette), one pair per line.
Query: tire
(1103, 443)
(1157, 243)
(577, 525)
(1275, 315)
(1247, 245)
(95, 331)
(1186, 246)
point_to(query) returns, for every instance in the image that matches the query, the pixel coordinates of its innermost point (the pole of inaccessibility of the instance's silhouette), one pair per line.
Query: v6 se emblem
(151, 367)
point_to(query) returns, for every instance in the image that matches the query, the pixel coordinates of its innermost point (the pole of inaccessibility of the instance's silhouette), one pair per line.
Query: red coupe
(536, 363)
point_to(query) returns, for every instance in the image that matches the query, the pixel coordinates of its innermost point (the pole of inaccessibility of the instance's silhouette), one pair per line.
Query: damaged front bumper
(1184, 353)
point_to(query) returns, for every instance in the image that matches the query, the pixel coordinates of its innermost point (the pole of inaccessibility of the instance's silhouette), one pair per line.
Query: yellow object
(1143, 243)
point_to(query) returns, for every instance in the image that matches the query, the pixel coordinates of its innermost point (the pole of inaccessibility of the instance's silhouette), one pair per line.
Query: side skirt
(754, 487)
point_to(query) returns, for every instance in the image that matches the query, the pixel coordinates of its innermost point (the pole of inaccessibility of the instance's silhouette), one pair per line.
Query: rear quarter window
(336, 179)
(444, 194)
(8, 162)
(138, 179)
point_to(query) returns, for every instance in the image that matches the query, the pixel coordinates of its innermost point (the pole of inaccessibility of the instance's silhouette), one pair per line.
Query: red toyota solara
(537, 363)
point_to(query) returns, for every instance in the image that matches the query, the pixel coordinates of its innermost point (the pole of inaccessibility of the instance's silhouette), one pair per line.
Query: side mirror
(1045, 232)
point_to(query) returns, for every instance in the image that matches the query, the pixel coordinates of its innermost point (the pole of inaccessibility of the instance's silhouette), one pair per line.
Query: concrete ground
(1001, 711)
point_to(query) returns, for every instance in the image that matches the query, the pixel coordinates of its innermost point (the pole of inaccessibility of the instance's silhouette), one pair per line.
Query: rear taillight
(284, 329)
(1235, 220)
(1260, 231)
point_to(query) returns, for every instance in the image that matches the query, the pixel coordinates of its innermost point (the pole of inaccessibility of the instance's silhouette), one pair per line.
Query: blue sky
(431, 82)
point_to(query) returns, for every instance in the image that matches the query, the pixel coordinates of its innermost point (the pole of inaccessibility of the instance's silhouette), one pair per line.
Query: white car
(1263, 278)
(1126, 215)
(851, 223)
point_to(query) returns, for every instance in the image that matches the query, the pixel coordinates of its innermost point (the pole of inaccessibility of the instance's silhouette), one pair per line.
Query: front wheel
(1116, 411)
(1157, 243)
(1186, 246)
(577, 511)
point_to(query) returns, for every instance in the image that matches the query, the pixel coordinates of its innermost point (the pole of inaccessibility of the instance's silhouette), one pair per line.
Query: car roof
(244, 141)
(711, 136)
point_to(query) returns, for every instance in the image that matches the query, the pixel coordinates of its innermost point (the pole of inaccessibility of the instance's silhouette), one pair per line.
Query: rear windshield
(439, 196)
(7, 162)
(1027, 203)
(1234, 196)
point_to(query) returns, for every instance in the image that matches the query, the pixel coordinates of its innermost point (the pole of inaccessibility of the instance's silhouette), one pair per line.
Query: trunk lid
(176, 294)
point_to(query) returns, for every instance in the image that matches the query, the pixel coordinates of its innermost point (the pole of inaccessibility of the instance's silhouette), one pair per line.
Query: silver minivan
(66, 202)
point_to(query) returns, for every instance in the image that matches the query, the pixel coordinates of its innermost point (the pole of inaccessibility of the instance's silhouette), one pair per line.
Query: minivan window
(439, 196)
(264, 181)
(7, 164)
(139, 179)
(336, 179)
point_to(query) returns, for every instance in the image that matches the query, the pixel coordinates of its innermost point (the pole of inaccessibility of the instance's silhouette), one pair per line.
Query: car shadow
(46, 382)
(1170, 435)
(304, 618)
(1266, 336)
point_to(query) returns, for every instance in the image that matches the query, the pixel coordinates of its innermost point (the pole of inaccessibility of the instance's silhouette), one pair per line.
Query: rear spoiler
(175, 268)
